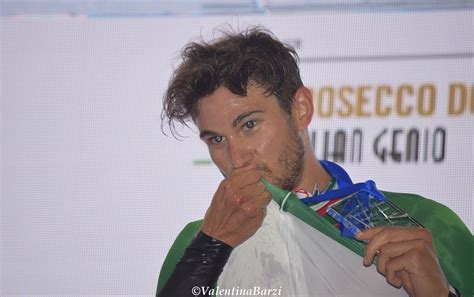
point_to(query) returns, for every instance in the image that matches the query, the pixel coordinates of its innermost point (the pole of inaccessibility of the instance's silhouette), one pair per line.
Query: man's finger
(395, 266)
(395, 233)
(367, 234)
(393, 250)
(233, 184)
(406, 282)
(377, 237)
(248, 192)
(253, 207)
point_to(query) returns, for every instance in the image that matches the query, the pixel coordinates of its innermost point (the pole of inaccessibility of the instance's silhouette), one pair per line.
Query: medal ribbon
(364, 191)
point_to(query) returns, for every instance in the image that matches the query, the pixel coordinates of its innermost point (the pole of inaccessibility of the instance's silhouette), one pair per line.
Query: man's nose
(240, 154)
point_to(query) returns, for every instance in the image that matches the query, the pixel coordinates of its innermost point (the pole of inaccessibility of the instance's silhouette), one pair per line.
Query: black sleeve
(201, 265)
(453, 292)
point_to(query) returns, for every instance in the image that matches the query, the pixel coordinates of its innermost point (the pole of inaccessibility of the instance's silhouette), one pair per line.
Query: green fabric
(453, 241)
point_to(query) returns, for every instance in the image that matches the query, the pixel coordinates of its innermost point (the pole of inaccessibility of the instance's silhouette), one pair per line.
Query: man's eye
(217, 139)
(250, 124)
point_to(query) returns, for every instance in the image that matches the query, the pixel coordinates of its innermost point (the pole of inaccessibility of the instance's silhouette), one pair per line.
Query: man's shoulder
(429, 213)
(176, 251)
(191, 229)
(421, 207)
(183, 239)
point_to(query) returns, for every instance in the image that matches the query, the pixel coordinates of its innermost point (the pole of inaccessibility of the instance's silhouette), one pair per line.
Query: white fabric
(287, 254)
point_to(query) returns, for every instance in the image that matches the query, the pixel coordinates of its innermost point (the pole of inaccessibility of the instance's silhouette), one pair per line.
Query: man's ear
(302, 107)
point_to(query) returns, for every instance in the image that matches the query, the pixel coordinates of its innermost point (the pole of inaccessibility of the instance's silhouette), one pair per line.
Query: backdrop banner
(93, 193)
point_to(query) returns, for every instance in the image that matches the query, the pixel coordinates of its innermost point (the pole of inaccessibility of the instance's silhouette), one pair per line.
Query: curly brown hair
(232, 61)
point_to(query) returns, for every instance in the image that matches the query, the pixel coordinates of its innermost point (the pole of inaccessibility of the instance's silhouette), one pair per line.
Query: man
(245, 94)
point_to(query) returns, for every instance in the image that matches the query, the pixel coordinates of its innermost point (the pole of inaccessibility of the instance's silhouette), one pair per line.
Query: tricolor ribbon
(360, 197)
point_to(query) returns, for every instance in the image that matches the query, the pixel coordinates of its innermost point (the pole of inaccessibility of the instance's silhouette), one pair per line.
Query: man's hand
(406, 257)
(238, 208)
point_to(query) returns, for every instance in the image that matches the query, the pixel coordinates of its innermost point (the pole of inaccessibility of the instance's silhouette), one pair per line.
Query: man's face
(252, 130)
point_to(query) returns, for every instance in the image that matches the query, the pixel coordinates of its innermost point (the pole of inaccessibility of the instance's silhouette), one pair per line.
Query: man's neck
(313, 176)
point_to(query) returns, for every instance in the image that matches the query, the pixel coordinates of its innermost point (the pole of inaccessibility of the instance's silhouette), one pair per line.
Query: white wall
(93, 193)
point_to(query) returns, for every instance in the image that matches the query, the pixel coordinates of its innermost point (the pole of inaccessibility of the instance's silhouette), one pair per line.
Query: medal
(360, 205)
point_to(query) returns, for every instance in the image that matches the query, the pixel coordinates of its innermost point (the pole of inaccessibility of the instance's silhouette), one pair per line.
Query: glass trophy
(362, 210)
